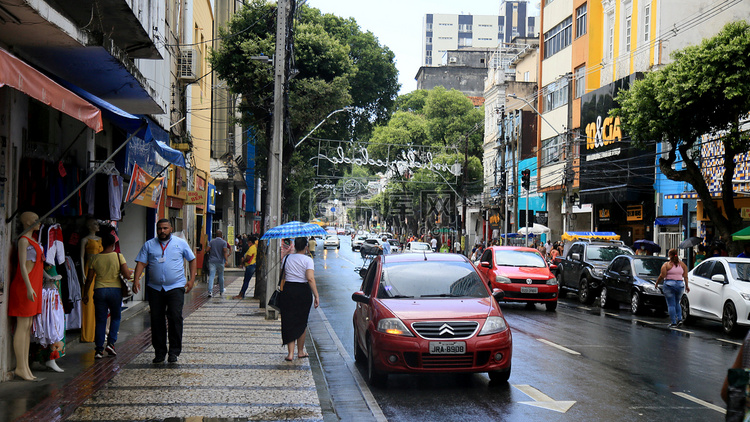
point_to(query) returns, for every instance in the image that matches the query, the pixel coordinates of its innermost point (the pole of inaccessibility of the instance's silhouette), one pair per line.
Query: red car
(419, 313)
(521, 273)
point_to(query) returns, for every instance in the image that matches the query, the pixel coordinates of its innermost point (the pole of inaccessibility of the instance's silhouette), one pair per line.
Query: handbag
(124, 288)
(738, 391)
(275, 299)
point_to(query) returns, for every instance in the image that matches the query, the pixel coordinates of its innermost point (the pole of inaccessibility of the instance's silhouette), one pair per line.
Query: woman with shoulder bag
(297, 292)
(104, 271)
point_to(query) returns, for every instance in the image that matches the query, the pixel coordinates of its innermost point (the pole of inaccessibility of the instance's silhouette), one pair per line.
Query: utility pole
(275, 154)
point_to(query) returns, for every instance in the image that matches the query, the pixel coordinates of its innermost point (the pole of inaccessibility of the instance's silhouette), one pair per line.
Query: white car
(395, 245)
(358, 241)
(332, 240)
(418, 247)
(720, 291)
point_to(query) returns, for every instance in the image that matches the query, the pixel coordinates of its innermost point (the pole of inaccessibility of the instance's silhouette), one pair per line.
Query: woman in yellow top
(90, 246)
(249, 261)
(106, 268)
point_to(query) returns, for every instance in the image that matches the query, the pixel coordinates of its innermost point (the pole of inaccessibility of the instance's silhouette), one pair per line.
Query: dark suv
(582, 266)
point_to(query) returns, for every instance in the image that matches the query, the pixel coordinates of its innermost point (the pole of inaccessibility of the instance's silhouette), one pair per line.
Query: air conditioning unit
(189, 64)
(452, 60)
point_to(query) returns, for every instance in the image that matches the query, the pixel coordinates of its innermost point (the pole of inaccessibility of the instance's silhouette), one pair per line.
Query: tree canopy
(704, 91)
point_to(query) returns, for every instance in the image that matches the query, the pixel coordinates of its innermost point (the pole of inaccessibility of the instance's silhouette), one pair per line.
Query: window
(428, 27)
(445, 24)
(526, 76)
(580, 81)
(464, 42)
(558, 37)
(611, 38)
(464, 27)
(445, 38)
(646, 23)
(628, 27)
(581, 17)
(556, 94)
(552, 150)
(429, 40)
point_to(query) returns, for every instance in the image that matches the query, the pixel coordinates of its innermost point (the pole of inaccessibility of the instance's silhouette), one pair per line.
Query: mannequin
(25, 298)
(90, 245)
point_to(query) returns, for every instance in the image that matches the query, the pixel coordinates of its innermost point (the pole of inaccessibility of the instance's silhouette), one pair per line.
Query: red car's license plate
(447, 347)
(529, 290)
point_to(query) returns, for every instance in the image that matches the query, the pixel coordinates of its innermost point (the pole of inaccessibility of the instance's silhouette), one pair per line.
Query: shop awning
(666, 221)
(15, 73)
(569, 236)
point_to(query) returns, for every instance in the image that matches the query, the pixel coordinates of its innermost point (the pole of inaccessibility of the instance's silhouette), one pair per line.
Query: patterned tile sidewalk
(232, 367)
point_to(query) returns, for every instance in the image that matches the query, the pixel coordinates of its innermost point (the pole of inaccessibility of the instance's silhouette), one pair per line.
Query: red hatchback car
(419, 313)
(521, 273)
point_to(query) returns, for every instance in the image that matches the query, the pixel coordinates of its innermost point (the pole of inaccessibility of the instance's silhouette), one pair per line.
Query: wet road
(575, 364)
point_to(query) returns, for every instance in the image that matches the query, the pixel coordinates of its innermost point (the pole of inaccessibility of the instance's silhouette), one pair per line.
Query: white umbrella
(535, 229)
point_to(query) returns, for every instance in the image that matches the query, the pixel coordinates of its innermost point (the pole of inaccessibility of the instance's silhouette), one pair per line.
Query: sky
(398, 24)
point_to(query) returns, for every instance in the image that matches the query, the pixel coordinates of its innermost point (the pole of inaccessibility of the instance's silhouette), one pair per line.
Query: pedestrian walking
(218, 254)
(674, 274)
(297, 292)
(385, 246)
(457, 246)
(433, 243)
(248, 260)
(166, 288)
(105, 270)
(311, 245)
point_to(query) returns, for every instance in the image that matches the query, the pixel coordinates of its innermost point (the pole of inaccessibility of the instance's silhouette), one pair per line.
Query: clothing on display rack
(104, 196)
(73, 318)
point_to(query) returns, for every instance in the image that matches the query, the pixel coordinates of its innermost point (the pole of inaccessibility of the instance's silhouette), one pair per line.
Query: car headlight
(650, 288)
(492, 325)
(552, 281)
(597, 272)
(745, 296)
(393, 326)
(502, 279)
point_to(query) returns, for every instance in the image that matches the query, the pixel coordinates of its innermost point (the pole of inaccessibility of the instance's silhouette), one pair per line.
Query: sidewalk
(232, 366)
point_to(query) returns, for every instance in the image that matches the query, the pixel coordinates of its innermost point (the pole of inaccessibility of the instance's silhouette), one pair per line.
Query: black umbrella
(690, 242)
(647, 245)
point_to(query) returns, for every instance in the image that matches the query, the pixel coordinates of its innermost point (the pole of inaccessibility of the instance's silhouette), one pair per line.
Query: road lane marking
(700, 402)
(646, 322)
(542, 400)
(611, 314)
(557, 346)
(736, 343)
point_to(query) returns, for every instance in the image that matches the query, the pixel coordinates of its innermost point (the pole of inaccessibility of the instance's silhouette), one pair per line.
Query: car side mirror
(484, 264)
(498, 294)
(360, 297)
(575, 256)
(719, 278)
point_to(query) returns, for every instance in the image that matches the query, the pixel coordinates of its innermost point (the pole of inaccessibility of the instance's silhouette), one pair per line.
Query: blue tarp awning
(667, 221)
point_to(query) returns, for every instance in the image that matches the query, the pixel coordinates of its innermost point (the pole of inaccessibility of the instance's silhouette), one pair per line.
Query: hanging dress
(18, 303)
(88, 320)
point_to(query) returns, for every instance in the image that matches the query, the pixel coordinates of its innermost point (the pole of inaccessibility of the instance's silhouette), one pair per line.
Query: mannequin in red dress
(25, 298)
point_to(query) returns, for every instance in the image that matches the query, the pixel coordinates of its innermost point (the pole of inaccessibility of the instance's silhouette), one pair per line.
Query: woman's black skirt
(296, 300)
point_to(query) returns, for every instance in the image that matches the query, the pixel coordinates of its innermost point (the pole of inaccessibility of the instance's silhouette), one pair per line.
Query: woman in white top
(296, 298)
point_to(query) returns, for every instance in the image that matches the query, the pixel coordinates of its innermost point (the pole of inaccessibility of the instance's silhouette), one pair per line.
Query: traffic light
(526, 179)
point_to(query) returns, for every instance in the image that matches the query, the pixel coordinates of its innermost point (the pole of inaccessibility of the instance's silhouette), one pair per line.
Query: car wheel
(729, 318)
(635, 303)
(374, 377)
(352, 249)
(551, 306)
(685, 307)
(584, 292)
(499, 376)
(604, 299)
(359, 354)
(338, 247)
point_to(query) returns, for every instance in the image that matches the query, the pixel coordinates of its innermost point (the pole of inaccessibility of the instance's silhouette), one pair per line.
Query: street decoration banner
(144, 189)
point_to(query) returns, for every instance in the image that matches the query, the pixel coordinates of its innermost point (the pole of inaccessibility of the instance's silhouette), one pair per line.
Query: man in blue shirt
(386, 247)
(166, 287)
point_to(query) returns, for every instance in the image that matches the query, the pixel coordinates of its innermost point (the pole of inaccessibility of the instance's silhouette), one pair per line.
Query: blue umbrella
(647, 245)
(293, 229)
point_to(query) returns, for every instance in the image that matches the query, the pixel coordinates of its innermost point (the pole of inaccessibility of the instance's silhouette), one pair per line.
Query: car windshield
(393, 242)
(519, 259)
(433, 279)
(605, 253)
(648, 267)
(332, 237)
(420, 247)
(740, 270)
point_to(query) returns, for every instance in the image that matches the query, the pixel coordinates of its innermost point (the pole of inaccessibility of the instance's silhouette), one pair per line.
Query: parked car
(395, 245)
(331, 241)
(632, 279)
(420, 247)
(521, 273)
(429, 313)
(719, 291)
(582, 267)
(358, 241)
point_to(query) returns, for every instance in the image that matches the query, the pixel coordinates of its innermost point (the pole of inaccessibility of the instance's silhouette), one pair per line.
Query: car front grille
(439, 330)
(428, 361)
(523, 281)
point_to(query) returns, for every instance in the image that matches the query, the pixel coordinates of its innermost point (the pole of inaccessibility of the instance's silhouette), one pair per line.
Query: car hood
(537, 273)
(440, 308)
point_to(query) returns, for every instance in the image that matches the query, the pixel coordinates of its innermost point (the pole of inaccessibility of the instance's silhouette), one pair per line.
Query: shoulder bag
(739, 388)
(274, 301)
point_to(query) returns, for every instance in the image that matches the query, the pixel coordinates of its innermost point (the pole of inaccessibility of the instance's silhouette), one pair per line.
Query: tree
(704, 91)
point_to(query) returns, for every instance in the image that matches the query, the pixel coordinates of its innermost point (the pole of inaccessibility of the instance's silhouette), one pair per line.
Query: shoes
(679, 323)
(672, 326)
(158, 359)
(222, 292)
(98, 355)
(110, 349)
(172, 358)
(210, 294)
(238, 297)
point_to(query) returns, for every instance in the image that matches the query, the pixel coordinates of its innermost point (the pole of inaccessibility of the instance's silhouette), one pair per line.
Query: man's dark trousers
(166, 305)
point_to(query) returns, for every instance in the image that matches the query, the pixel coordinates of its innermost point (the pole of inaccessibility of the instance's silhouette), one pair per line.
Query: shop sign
(144, 189)
(635, 212)
(177, 185)
(195, 197)
(742, 204)
(211, 199)
(176, 203)
(604, 214)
